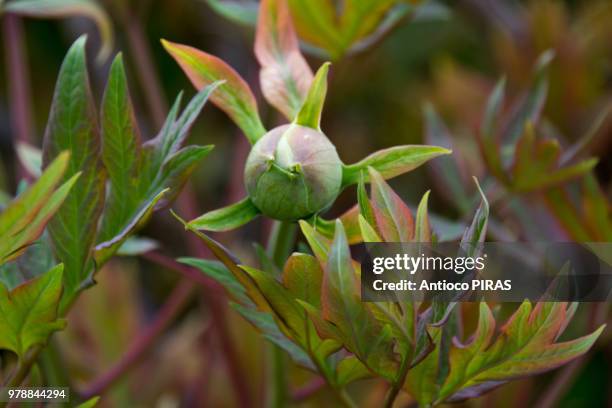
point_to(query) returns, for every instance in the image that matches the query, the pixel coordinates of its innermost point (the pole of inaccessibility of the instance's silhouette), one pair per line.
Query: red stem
(18, 82)
(175, 303)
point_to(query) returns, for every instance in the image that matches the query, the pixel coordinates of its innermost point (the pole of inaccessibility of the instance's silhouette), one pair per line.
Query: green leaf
(422, 230)
(234, 96)
(69, 8)
(30, 157)
(285, 76)
(368, 232)
(446, 170)
(391, 162)
(529, 107)
(341, 305)
(265, 323)
(221, 274)
(393, 218)
(90, 403)
(176, 170)
(536, 164)
(477, 231)
(240, 12)
(303, 276)
(525, 346)
(226, 218)
(121, 152)
(319, 244)
(106, 249)
(365, 208)
(310, 112)
(73, 126)
(493, 109)
(134, 246)
(349, 220)
(25, 218)
(350, 369)
(29, 313)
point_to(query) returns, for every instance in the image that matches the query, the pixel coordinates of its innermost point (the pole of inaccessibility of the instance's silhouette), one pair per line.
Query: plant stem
(280, 244)
(18, 82)
(175, 303)
(397, 385)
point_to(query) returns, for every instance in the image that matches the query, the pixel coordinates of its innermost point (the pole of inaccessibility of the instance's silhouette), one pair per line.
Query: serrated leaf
(361, 333)
(176, 170)
(309, 114)
(227, 218)
(393, 218)
(526, 346)
(285, 76)
(29, 313)
(69, 8)
(73, 126)
(234, 96)
(536, 164)
(391, 162)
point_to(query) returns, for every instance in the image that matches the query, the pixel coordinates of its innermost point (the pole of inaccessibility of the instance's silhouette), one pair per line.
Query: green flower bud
(293, 172)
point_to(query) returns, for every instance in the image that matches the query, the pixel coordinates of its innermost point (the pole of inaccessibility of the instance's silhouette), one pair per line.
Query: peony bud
(293, 172)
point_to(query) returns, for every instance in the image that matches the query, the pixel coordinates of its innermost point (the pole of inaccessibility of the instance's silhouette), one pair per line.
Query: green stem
(279, 247)
(397, 385)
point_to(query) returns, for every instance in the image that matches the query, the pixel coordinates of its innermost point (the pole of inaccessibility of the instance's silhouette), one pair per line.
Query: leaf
(234, 96)
(285, 76)
(422, 230)
(361, 333)
(219, 272)
(477, 231)
(393, 218)
(315, 22)
(525, 346)
(231, 262)
(134, 246)
(493, 109)
(121, 152)
(69, 8)
(536, 164)
(73, 126)
(350, 369)
(319, 244)
(30, 158)
(25, 218)
(226, 218)
(266, 324)
(368, 233)
(391, 162)
(105, 250)
(309, 114)
(303, 276)
(90, 403)
(29, 313)
(241, 12)
(176, 170)
(446, 169)
(528, 108)
(349, 220)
